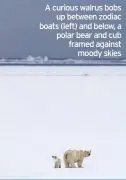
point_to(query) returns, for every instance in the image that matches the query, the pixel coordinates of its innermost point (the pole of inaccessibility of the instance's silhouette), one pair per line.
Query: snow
(41, 116)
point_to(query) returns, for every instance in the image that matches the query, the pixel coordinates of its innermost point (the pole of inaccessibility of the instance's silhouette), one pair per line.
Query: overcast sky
(19, 28)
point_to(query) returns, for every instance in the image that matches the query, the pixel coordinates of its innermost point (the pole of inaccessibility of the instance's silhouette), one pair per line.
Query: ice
(41, 116)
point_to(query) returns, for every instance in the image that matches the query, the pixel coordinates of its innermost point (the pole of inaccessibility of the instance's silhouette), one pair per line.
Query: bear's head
(87, 153)
(54, 157)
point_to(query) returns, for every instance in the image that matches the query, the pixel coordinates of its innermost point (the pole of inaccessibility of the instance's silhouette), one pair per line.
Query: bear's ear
(84, 152)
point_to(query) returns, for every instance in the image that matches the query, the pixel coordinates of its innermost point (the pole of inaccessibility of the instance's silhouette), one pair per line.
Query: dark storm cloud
(19, 28)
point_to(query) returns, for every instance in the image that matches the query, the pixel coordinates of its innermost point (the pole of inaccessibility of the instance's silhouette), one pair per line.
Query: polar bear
(57, 162)
(71, 157)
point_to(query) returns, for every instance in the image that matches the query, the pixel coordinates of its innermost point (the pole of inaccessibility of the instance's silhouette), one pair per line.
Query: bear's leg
(66, 164)
(59, 164)
(72, 164)
(55, 166)
(79, 164)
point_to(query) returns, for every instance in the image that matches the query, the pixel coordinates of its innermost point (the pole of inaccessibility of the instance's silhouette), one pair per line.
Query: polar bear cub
(57, 162)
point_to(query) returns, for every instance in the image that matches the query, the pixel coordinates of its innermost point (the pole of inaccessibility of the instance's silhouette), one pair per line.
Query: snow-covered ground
(63, 70)
(41, 116)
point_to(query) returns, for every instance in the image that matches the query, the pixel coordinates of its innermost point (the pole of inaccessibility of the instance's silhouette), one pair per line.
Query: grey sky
(19, 28)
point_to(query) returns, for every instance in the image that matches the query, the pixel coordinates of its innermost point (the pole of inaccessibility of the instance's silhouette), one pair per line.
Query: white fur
(57, 162)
